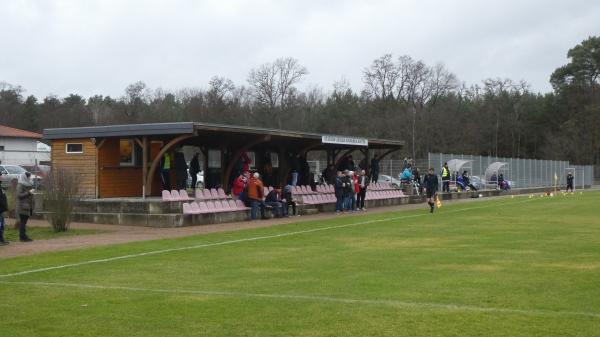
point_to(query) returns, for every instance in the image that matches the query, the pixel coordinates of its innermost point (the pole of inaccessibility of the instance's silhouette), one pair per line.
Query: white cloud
(98, 47)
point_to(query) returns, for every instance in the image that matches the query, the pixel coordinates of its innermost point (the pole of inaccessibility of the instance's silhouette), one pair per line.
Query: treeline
(403, 98)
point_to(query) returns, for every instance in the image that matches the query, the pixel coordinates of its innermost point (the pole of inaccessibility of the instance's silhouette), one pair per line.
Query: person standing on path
(445, 178)
(363, 182)
(3, 208)
(25, 204)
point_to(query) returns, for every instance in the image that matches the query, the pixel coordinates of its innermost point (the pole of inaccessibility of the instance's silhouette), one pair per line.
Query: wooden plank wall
(82, 163)
(115, 180)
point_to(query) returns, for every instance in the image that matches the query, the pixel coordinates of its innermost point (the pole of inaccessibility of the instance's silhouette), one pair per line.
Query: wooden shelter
(124, 160)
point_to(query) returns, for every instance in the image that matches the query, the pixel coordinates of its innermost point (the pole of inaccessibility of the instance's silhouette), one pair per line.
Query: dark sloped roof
(183, 128)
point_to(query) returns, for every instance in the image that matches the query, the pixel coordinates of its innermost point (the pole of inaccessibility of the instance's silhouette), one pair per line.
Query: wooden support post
(144, 166)
(156, 160)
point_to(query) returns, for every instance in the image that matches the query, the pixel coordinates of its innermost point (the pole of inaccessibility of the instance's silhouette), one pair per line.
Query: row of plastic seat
(217, 206)
(319, 199)
(175, 195)
(381, 186)
(389, 194)
(211, 194)
(330, 198)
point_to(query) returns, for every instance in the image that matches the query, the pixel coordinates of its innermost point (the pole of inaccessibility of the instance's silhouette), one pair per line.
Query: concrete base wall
(169, 214)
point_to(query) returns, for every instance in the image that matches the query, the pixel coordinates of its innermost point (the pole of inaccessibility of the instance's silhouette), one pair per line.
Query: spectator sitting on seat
(288, 199)
(466, 181)
(274, 200)
(239, 185)
(503, 184)
(406, 176)
(255, 191)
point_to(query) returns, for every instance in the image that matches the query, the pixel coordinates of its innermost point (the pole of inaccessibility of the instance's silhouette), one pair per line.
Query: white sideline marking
(315, 298)
(205, 245)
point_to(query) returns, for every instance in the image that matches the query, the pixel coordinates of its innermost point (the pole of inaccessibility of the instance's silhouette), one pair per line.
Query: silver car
(10, 172)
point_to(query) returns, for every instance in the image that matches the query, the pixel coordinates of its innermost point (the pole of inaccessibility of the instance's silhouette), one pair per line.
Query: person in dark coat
(180, 166)
(194, 170)
(3, 208)
(348, 190)
(570, 181)
(304, 171)
(431, 187)
(339, 192)
(274, 199)
(363, 183)
(374, 169)
(25, 204)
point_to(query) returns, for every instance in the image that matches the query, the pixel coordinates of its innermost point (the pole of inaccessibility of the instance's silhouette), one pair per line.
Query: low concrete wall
(156, 213)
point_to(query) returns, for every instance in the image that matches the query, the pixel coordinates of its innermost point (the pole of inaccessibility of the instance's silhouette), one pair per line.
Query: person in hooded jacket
(3, 208)
(25, 204)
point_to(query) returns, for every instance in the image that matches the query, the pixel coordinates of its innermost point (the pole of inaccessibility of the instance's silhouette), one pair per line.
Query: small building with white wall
(21, 147)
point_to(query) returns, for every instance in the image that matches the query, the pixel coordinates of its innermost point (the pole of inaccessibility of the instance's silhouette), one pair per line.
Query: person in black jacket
(431, 187)
(180, 166)
(194, 170)
(374, 169)
(348, 190)
(339, 193)
(3, 208)
(273, 199)
(569, 182)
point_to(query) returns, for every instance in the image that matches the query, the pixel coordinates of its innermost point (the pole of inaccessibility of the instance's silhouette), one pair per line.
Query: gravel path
(122, 234)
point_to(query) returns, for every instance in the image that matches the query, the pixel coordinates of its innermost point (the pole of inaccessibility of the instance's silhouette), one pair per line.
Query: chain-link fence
(520, 172)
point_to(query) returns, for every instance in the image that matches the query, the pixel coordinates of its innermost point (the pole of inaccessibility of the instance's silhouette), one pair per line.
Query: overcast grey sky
(100, 46)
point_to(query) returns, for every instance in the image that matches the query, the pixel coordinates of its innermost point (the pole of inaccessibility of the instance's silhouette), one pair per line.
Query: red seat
(221, 193)
(207, 194)
(214, 194)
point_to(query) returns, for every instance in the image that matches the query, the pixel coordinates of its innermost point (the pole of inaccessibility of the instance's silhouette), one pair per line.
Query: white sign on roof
(344, 140)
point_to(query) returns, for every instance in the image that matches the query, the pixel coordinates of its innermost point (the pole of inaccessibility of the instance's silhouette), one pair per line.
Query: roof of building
(202, 129)
(7, 131)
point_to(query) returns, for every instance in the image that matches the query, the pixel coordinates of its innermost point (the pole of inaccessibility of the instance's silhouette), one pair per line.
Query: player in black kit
(431, 188)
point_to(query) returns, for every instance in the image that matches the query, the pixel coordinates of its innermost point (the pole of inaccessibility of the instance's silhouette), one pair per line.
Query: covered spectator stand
(125, 160)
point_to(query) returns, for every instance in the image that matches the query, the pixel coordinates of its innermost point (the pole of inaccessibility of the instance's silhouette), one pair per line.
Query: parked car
(383, 178)
(199, 182)
(39, 170)
(10, 172)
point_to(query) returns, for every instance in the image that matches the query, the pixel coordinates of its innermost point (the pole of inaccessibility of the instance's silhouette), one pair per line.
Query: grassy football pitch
(499, 267)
